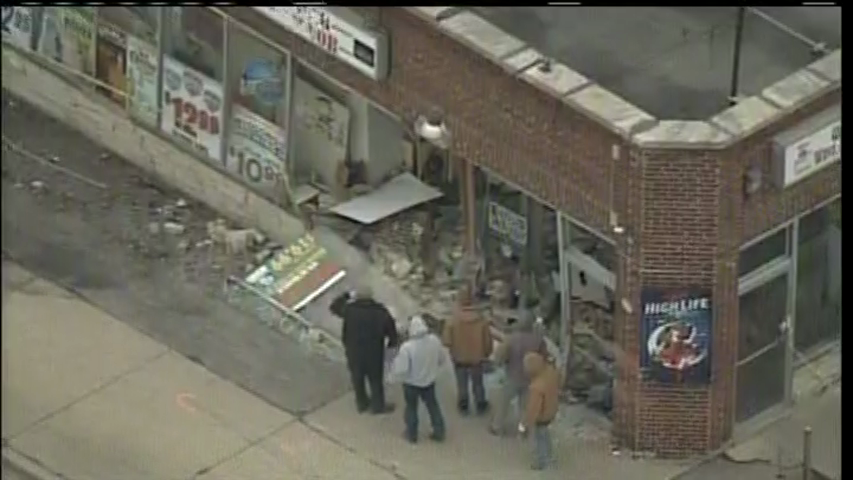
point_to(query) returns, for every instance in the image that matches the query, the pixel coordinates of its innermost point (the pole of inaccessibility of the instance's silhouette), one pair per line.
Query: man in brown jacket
(541, 409)
(468, 336)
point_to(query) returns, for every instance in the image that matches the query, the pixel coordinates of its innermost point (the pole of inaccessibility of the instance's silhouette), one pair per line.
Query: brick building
(685, 193)
(707, 227)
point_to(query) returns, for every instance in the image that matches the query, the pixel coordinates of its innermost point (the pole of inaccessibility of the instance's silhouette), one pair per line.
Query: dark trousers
(365, 372)
(412, 395)
(472, 374)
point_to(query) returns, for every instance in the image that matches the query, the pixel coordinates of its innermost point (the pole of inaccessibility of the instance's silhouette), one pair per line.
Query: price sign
(192, 108)
(18, 26)
(256, 151)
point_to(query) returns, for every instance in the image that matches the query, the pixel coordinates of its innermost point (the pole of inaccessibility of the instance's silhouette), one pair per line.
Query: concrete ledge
(612, 111)
(435, 13)
(109, 126)
(515, 64)
(559, 81)
(828, 67)
(748, 116)
(481, 35)
(795, 89)
(682, 134)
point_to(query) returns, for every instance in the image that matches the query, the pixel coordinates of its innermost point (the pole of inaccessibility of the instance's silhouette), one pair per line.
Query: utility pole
(733, 92)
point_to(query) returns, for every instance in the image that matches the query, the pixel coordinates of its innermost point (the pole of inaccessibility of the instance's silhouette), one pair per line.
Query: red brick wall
(772, 206)
(498, 121)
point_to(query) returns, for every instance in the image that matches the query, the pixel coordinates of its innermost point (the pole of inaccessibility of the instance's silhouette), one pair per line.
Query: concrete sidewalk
(88, 397)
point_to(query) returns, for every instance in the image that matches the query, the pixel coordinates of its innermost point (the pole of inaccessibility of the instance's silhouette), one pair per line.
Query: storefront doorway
(763, 369)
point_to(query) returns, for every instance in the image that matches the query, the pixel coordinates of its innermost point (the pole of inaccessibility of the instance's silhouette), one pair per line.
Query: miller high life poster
(676, 336)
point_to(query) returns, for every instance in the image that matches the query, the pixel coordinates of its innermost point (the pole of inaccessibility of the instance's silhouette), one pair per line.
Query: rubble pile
(396, 246)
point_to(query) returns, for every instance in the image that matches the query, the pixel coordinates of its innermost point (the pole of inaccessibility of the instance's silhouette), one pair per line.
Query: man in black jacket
(367, 325)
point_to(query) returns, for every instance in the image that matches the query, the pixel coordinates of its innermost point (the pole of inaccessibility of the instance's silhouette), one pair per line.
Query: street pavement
(91, 398)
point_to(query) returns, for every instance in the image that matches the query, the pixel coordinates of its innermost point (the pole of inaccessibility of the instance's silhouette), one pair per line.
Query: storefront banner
(256, 151)
(192, 108)
(68, 36)
(297, 274)
(18, 26)
(676, 336)
(142, 80)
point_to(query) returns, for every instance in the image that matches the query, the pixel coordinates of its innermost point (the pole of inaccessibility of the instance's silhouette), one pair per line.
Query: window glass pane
(762, 311)
(193, 37)
(192, 101)
(257, 78)
(762, 252)
(115, 25)
(760, 383)
(67, 36)
(819, 278)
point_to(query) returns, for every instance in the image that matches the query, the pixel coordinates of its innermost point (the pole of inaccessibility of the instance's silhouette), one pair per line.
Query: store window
(258, 78)
(19, 25)
(67, 36)
(818, 278)
(763, 251)
(116, 26)
(192, 100)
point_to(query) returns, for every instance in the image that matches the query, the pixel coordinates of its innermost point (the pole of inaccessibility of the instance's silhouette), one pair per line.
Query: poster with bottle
(68, 37)
(142, 70)
(110, 68)
(256, 151)
(18, 26)
(192, 107)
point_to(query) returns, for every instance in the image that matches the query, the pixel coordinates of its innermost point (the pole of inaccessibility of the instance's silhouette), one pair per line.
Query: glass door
(763, 364)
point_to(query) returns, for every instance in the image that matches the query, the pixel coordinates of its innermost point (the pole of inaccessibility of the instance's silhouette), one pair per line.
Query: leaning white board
(400, 193)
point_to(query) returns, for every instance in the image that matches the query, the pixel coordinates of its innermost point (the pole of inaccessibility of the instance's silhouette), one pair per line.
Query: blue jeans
(473, 375)
(411, 395)
(543, 448)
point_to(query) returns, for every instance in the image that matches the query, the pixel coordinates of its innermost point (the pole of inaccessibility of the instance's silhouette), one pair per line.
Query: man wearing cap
(368, 329)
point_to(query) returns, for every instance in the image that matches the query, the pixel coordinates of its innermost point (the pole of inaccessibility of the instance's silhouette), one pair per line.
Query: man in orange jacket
(541, 409)
(468, 336)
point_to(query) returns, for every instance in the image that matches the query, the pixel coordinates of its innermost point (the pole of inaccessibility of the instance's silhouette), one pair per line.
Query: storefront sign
(507, 224)
(263, 81)
(364, 50)
(297, 274)
(676, 336)
(192, 108)
(18, 26)
(256, 151)
(807, 148)
(142, 80)
(68, 36)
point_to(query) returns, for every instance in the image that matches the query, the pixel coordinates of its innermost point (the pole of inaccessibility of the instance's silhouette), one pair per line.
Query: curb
(28, 466)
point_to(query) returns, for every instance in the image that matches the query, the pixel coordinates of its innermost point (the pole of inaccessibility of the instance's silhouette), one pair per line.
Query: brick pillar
(676, 206)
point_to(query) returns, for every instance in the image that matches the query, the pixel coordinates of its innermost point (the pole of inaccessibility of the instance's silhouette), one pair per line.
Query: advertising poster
(68, 37)
(676, 336)
(110, 61)
(142, 80)
(256, 151)
(297, 274)
(18, 26)
(192, 106)
(320, 131)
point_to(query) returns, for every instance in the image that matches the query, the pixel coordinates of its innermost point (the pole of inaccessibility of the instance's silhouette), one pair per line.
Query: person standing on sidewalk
(541, 409)
(417, 365)
(523, 339)
(367, 326)
(468, 336)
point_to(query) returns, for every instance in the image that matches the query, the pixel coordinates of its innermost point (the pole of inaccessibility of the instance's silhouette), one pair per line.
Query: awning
(400, 193)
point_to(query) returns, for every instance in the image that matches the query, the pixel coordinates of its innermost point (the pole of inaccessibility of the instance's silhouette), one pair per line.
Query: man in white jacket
(417, 365)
